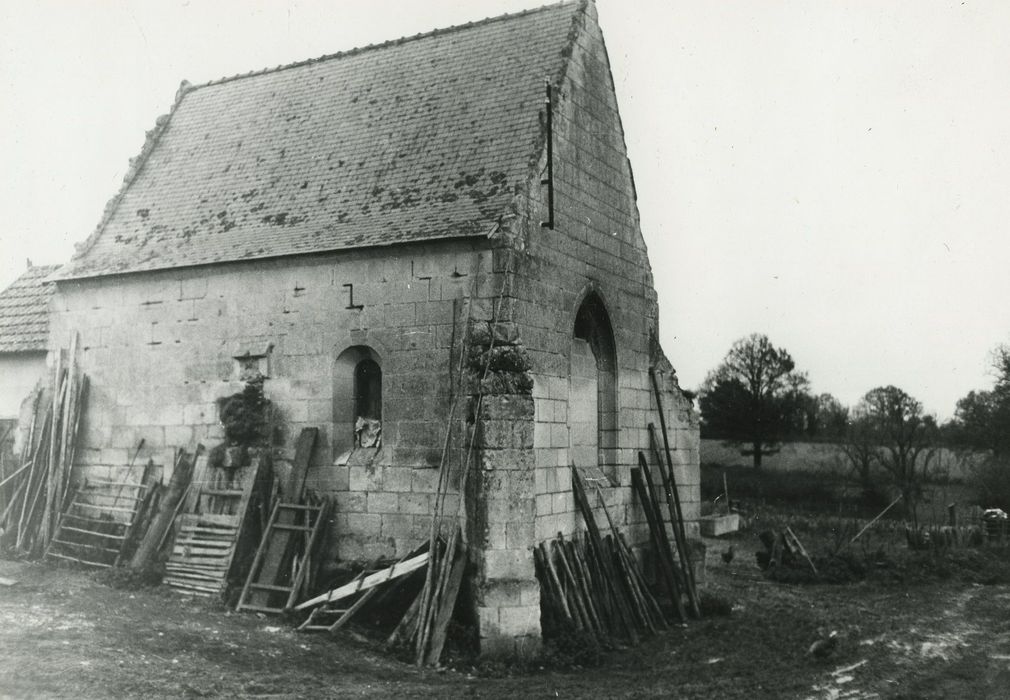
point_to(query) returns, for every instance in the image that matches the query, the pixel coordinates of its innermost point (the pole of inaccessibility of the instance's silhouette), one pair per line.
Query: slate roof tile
(422, 138)
(24, 311)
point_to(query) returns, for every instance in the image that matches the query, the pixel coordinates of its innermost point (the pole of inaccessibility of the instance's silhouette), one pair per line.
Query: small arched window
(357, 399)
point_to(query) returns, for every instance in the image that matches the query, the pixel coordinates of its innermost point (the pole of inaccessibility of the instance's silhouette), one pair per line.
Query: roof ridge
(439, 31)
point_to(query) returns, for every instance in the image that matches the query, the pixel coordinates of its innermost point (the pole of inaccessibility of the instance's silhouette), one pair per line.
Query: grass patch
(819, 491)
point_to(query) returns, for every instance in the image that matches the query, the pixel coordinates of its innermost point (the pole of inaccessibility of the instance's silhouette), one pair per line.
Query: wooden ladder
(92, 532)
(264, 583)
(331, 617)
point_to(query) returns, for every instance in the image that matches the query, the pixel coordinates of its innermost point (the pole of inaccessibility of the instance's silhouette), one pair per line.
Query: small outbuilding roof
(422, 138)
(24, 311)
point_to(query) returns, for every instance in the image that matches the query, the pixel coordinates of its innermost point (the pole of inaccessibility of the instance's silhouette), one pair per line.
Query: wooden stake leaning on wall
(608, 578)
(682, 579)
(675, 491)
(677, 523)
(48, 483)
(582, 596)
(635, 581)
(663, 554)
(152, 540)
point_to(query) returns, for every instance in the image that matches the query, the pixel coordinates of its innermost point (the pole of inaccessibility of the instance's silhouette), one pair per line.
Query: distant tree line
(756, 399)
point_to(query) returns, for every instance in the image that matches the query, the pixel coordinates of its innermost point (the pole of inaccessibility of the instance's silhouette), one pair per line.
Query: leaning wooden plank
(446, 604)
(676, 520)
(689, 570)
(802, 549)
(304, 448)
(662, 555)
(198, 481)
(387, 574)
(162, 521)
(405, 630)
(608, 575)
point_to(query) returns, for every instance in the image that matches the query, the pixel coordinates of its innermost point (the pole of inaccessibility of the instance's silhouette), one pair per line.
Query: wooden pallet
(268, 581)
(203, 552)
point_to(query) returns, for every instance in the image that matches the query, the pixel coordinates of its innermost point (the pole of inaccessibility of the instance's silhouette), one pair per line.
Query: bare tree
(859, 446)
(906, 438)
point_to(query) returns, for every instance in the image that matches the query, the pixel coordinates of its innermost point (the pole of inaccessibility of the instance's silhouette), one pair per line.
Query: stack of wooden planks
(33, 496)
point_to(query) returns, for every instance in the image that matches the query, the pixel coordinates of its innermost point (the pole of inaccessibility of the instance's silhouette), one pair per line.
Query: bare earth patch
(63, 634)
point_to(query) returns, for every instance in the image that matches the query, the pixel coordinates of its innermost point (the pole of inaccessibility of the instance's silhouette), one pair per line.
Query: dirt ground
(63, 634)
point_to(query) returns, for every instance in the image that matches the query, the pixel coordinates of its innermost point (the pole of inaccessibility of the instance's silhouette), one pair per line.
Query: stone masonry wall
(596, 247)
(160, 349)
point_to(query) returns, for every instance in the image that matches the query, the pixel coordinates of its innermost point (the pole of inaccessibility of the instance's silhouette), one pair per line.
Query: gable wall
(159, 349)
(596, 246)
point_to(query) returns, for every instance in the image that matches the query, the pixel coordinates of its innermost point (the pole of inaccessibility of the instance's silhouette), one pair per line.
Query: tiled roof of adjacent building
(422, 138)
(24, 311)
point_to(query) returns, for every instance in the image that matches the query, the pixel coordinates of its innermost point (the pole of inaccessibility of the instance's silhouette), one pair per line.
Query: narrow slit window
(368, 390)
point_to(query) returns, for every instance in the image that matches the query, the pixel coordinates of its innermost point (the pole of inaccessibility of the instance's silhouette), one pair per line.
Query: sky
(831, 174)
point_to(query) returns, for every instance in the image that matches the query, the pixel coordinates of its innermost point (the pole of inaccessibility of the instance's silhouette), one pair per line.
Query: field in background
(811, 456)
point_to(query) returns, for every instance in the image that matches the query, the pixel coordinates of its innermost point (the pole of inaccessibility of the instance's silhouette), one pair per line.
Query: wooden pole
(662, 557)
(628, 560)
(609, 576)
(689, 573)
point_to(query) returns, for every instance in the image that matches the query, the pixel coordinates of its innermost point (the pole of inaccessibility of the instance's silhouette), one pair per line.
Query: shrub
(245, 415)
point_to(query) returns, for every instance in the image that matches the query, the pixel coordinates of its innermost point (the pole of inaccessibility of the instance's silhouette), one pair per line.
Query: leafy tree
(981, 427)
(982, 418)
(906, 440)
(752, 397)
(831, 418)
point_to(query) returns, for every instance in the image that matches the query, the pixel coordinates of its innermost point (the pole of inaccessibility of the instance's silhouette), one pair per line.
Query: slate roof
(24, 311)
(422, 138)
